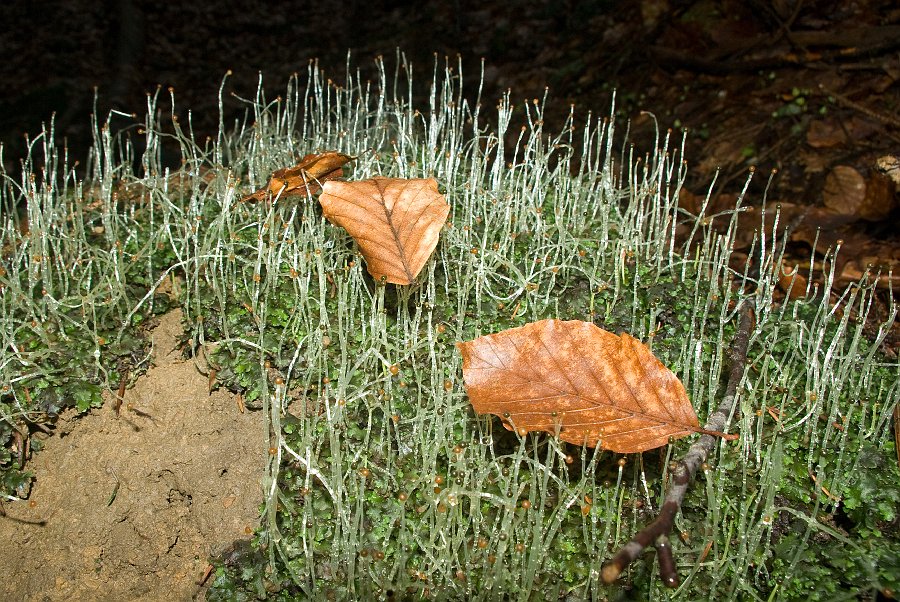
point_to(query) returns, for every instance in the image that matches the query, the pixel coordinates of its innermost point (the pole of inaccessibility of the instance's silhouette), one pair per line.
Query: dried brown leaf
(580, 382)
(825, 133)
(791, 282)
(396, 222)
(849, 193)
(303, 179)
(845, 190)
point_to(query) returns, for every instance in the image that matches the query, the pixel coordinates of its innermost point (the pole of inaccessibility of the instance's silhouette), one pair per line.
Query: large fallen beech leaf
(576, 380)
(395, 222)
(304, 178)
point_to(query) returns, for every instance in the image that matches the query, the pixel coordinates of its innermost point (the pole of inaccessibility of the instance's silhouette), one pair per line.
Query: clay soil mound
(131, 507)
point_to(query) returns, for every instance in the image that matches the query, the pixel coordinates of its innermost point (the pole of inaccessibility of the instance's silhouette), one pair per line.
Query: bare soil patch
(131, 507)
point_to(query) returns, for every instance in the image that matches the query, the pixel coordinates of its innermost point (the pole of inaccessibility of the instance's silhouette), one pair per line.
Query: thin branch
(838, 47)
(657, 532)
(884, 118)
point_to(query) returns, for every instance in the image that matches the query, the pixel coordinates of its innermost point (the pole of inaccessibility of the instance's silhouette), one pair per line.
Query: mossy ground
(381, 481)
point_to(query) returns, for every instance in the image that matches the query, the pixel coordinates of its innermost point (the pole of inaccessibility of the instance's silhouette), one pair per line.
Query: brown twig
(209, 571)
(120, 394)
(657, 532)
(840, 47)
(897, 431)
(884, 118)
(22, 444)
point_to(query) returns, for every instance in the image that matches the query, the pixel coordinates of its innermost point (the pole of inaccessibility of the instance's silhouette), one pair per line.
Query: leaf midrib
(388, 215)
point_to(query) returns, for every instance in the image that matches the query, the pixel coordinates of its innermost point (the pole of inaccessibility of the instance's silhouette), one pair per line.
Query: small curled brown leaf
(584, 384)
(303, 179)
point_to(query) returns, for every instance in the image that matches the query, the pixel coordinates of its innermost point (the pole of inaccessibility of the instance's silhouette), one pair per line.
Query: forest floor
(807, 93)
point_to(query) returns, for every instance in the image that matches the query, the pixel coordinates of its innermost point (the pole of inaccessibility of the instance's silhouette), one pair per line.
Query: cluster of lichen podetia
(571, 379)
(630, 401)
(544, 235)
(707, 308)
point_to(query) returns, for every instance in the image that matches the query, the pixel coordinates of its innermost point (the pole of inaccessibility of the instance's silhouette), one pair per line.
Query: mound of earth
(132, 506)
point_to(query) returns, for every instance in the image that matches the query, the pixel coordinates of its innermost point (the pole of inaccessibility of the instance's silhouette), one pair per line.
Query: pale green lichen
(388, 483)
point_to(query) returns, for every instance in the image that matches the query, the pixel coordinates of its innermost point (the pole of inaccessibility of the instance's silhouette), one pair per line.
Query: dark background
(721, 68)
(58, 53)
(799, 86)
